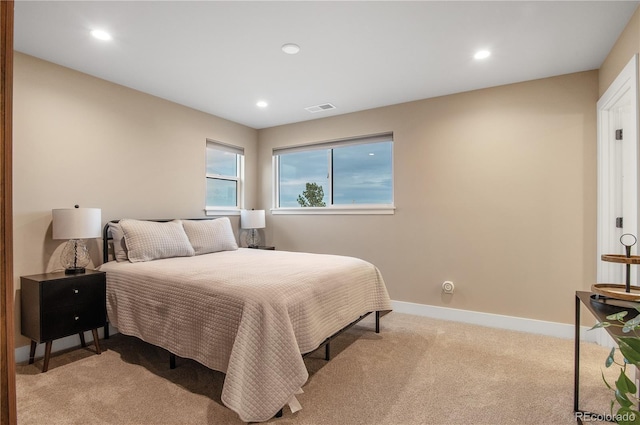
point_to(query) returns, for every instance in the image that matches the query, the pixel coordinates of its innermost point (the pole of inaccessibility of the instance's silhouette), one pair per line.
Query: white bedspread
(249, 313)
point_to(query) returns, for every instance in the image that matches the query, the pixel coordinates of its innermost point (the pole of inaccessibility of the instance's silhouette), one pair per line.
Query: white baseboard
(22, 353)
(541, 327)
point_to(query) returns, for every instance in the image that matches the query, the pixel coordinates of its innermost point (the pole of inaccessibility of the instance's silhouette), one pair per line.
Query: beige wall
(495, 190)
(627, 45)
(82, 140)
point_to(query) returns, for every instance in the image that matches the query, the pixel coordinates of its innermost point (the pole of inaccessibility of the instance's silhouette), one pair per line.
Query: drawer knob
(77, 317)
(75, 291)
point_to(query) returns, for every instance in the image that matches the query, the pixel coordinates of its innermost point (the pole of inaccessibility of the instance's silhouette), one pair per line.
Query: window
(354, 175)
(224, 177)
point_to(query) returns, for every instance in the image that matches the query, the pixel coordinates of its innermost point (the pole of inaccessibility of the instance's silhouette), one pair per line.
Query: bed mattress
(248, 313)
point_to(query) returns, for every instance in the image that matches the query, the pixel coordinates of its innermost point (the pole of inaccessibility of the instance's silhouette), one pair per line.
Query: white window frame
(370, 209)
(213, 210)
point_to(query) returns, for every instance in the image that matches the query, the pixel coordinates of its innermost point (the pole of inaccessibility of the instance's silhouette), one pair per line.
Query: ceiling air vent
(320, 108)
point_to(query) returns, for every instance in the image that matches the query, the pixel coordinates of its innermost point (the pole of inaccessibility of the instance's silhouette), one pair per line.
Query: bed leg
(377, 322)
(327, 351)
(172, 361)
(279, 414)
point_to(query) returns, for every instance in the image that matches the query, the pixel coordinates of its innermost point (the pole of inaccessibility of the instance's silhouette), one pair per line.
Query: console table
(600, 310)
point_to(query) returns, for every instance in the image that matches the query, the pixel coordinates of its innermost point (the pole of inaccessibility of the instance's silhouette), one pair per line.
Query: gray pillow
(150, 240)
(119, 245)
(210, 235)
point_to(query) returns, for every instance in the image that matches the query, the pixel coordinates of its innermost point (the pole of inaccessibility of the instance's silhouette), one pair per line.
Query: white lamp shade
(77, 223)
(252, 219)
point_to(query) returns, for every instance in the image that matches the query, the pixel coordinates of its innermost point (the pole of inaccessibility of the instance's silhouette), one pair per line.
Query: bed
(185, 286)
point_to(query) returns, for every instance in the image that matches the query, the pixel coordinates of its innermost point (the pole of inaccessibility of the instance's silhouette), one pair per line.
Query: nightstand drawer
(56, 294)
(63, 322)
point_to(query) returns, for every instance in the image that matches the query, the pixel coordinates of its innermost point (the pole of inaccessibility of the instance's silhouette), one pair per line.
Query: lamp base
(75, 270)
(75, 256)
(253, 239)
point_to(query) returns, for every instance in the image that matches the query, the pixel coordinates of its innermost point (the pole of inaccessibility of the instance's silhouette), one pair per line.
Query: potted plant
(624, 389)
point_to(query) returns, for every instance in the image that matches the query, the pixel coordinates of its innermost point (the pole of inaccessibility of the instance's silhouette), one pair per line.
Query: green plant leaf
(630, 349)
(606, 383)
(622, 399)
(610, 360)
(625, 385)
(626, 416)
(600, 325)
(631, 325)
(617, 316)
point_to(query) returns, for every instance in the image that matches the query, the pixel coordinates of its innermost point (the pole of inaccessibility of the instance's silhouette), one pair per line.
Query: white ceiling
(222, 57)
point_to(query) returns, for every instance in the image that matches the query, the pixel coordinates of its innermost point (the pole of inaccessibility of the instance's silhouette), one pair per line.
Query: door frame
(626, 81)
(8, 409)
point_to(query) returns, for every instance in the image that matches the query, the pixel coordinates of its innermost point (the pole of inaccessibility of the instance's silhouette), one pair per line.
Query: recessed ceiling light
(290, 48)
(482, 54)
(262, 104)
(101, 35)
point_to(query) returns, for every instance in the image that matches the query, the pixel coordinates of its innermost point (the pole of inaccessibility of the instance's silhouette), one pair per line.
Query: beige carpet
(416, 371)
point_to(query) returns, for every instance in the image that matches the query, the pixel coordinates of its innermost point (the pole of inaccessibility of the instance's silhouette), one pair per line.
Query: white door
(618, 172)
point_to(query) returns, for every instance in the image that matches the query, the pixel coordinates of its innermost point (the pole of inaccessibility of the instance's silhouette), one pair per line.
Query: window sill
(362, 210)
(211, 211)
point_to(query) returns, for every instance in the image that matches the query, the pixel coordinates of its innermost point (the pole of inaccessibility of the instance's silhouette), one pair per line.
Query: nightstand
(55, 305)
(269, 248)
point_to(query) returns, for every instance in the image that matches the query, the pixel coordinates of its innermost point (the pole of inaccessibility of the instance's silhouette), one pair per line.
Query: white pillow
(210, 235)
(151, 240)
(119, 245)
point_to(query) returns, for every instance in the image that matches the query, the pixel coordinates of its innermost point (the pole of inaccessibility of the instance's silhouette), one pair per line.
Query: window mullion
(240, 181)
(330, 176)
(276, 183)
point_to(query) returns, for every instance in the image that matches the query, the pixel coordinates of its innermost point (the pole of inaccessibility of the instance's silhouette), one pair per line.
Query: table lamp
(76, 224)
(252, 219)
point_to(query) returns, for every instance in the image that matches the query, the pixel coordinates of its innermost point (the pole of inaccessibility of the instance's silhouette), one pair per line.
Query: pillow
(151, 240)
(119, 245)
(210, 235)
